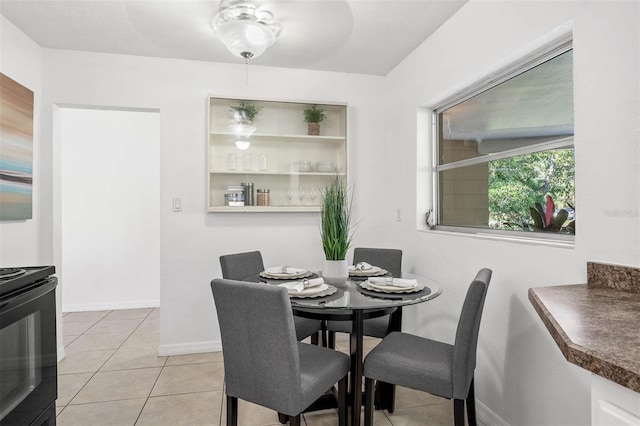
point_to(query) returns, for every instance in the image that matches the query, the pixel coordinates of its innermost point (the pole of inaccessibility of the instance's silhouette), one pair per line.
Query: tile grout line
(151, 390)
(93, 374)
(162, 367)
(123, 342)
(224, 392)
(157, 378)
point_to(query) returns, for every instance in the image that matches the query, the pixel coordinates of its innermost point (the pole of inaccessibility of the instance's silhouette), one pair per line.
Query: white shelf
(281, 142)
(264, 209)
(253, 172)
(310, 138)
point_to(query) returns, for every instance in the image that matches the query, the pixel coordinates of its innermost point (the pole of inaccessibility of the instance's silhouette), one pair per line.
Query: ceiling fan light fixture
(246, 30)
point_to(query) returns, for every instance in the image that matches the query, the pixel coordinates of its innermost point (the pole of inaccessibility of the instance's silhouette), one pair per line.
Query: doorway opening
(109, 188)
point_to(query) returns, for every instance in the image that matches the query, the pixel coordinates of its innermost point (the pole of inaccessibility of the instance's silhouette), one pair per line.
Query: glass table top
(350, 295)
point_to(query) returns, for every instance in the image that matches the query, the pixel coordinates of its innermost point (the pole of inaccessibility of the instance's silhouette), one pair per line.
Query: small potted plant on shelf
(313, 117)
(245, 112)
(336, 232)
(242, 125)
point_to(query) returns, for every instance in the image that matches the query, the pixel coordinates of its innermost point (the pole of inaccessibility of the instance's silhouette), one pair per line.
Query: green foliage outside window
(516, 184)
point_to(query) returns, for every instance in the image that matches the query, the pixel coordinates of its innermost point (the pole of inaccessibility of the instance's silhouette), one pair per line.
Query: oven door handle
(14, 300)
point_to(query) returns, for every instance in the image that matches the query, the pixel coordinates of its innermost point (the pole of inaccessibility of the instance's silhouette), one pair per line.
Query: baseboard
(486, 417)
(155, 303)
(61, 353)
(190, 348)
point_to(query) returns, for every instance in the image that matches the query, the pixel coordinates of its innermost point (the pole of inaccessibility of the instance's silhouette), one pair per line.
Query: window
(504, 152)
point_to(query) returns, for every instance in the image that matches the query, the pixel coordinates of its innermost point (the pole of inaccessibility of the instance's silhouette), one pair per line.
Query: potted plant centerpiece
(313, 117)
(336, 232)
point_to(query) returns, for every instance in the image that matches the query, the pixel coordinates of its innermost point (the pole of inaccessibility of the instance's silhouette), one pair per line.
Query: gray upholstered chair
(391, 260)
(241, 266)
(263, 362)
(431, 366)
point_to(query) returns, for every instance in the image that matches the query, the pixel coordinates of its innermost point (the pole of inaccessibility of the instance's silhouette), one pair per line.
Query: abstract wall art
(16, 150)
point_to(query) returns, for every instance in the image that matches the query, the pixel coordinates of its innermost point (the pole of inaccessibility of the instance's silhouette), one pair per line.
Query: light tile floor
(112, 375)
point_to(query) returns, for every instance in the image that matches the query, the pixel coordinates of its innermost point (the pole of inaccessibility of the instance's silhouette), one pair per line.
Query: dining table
(355, 302)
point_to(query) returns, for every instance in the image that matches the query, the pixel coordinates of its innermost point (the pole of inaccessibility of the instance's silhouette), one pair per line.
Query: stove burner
(6, 273)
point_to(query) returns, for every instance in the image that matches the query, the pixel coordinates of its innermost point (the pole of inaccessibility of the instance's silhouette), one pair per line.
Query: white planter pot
(335, 271)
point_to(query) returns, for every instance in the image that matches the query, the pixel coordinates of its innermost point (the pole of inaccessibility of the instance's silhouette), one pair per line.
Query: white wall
(25, 243)
(192, 240)
(521, 376)
(21, 60)
(110, 209)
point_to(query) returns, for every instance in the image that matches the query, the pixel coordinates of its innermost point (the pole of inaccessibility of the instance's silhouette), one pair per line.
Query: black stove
(13, 279)
(6, 273)
(28, 347)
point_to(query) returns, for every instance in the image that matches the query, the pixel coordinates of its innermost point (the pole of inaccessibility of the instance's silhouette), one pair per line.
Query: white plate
(276, 271)
(286, 277)
(365, 275)
(391, 289)
(308, 291)
(315, 291)
(373, 272)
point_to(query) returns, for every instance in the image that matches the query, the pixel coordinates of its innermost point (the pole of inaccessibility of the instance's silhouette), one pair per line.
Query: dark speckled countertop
(597, 325)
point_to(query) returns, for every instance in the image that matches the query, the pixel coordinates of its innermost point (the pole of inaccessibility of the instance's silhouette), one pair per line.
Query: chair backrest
(261, 360)
(464, 351)
(240, 266)
(389, 259)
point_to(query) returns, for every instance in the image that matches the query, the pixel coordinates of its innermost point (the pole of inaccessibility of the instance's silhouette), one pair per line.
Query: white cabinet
(281, 156)
(612, 404)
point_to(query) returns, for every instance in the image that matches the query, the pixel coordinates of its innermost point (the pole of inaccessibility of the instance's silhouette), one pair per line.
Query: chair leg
(283, 418)
(342, 401)
(368, 401)
(232, 411)
(385, 398)
(458, 412)
(471, 406)
(323, 333)
(331, 344)
(294, 421)
(314, 338)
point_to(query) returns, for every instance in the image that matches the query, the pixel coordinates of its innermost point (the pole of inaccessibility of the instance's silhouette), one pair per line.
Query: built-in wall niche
(273, 151)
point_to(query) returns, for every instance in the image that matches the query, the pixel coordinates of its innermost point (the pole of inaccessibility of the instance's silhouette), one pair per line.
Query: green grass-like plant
(314, 115)
(335, 230)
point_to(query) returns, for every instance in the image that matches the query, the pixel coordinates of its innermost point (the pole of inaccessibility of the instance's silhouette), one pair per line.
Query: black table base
(386, 392)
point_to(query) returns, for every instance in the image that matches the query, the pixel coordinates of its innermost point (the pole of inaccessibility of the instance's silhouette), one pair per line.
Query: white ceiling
(355, 36)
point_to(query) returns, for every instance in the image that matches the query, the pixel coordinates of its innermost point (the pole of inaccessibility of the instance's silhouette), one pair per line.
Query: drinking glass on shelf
(289, 194)
(313, 194)
(247, 161)
(301, 194)
(262, 159)
(232, 161)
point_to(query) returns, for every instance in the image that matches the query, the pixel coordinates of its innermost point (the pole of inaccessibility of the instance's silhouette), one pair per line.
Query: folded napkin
(278, 270)
(298, 286)
(362, 266)
(396, 282)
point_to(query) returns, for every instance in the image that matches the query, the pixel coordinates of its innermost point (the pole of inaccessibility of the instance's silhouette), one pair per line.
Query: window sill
(479, 234)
